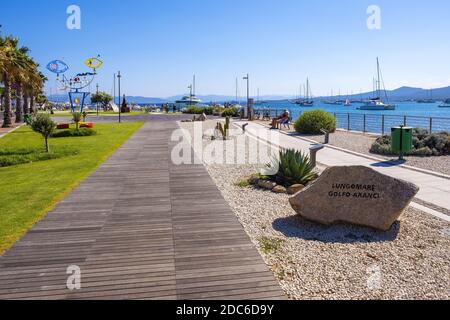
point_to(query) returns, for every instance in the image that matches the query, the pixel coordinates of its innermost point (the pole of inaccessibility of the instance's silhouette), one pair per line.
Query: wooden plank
(140, 227)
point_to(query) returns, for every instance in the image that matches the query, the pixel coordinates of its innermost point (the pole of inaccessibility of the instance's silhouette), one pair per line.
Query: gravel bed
(412, 261)
(361, 143)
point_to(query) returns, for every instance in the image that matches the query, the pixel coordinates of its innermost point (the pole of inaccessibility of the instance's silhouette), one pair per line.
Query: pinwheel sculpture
(77, 83)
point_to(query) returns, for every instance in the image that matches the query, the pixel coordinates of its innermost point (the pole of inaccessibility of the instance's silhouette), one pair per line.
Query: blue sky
(158, 45)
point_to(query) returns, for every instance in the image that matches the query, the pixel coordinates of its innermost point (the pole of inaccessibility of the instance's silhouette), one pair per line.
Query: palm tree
(36, 87)
(22, 77)
(33, 83)
(13, 62)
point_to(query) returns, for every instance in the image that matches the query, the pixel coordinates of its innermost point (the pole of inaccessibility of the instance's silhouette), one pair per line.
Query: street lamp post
(190, 95)
(97, 98)
(120, 106)
(248, 97)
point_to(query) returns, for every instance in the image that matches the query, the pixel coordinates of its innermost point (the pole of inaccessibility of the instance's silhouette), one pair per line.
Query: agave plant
(77, 116)
(293, 168)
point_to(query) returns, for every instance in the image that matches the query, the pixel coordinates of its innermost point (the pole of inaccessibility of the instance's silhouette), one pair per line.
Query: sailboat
(446, 104)
(307, 102)
(330, 101)
(376, 103)
(428, 99)
(258, 101)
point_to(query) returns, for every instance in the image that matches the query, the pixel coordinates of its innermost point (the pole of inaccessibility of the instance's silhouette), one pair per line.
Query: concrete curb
(433, 173)
(12, 130)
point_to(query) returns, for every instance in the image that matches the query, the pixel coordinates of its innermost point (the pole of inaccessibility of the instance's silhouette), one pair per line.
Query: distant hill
(408, 93)
(400, 94)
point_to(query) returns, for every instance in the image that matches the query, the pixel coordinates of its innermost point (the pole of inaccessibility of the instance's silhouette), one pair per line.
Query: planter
(63, 126)
(88, 125)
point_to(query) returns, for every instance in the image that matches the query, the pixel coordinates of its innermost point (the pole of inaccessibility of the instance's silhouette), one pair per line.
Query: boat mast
(307, 89)
(379, 79)
(237, 93)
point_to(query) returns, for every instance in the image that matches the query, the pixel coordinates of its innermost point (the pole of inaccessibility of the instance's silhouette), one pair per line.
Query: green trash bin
(402, 140)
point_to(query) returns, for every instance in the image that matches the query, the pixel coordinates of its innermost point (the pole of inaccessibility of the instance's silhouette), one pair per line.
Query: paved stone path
(140, 228)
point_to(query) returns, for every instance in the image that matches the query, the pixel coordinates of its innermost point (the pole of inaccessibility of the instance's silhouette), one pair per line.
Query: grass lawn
(29, 191)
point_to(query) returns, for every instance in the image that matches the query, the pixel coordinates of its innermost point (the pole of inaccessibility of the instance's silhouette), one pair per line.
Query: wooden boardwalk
(140, 228)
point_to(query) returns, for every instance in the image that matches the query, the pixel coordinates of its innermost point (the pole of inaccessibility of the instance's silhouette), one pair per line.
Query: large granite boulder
(357, 195)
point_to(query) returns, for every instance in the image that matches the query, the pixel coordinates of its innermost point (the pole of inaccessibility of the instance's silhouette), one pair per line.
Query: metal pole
(248, 97)
(404, 121)
(114, 86)
(382, 125)
(364, 124)
(120, 107)
(348, 121)
(97, 98)
(431, 125)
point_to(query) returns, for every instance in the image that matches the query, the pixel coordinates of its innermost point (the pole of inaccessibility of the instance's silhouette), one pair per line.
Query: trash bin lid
(404, 128)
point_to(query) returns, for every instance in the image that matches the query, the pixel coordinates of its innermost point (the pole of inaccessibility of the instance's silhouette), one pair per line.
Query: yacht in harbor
(190, 100)
(187, 101)
(377, 103)
(446, 104)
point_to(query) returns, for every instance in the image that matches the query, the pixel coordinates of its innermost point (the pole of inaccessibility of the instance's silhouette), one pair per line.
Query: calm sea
(417, 115)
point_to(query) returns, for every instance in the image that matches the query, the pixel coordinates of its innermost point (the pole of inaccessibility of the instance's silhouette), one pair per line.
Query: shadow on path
(388, 163)
(297, 227)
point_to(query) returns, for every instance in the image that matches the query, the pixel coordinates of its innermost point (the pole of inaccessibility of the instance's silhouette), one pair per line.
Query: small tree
(77, 116)
(44, 125)
(103, 98)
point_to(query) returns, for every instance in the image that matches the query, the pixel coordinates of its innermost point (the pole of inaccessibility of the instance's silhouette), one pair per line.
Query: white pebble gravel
(412, 261)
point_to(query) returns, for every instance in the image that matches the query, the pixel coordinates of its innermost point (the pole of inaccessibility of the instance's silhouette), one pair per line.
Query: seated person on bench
(283, 119)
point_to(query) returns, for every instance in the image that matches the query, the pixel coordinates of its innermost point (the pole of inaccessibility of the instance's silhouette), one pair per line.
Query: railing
(375, 123)
(381, 124)
(261, 113)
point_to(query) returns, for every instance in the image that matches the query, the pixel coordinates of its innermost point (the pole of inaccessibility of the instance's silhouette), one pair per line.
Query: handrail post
(313, 150)
(382, 125)
(364, 130)
(431, 125)
(348, 122)
(404, 121)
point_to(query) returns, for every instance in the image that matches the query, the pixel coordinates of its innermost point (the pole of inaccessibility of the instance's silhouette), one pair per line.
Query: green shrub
(194, 110)
(209, 111)
(12, 157)
(311, 122)
(424, 144)
(293, 168)
(83, 132)
(44, 125)
(243, 184)
(230, 112)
